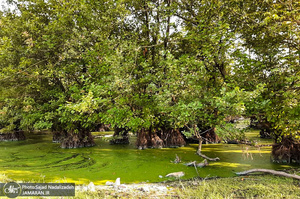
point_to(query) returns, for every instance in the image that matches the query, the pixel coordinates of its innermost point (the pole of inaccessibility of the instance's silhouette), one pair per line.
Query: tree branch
(207, 158)
(279, 173)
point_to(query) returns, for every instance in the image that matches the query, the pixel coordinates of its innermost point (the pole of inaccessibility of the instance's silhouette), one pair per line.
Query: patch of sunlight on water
(16, 172)
(71, 180)
(38, 159)
(286, 166)
(228, 164)
(239, 151)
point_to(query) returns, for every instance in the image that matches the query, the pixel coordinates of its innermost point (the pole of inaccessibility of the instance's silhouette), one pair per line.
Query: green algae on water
(37, 159)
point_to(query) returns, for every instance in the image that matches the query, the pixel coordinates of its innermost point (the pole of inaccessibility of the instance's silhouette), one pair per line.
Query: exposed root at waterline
(13, 136)
(123, 140)
(78, 140)
(59, 136)
(164, 138)
(287, 151)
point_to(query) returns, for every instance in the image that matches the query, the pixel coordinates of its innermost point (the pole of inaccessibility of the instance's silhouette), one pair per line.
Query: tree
(157, 68)
(56, 54)
(269, 56)
(270, 36)
(169, 79)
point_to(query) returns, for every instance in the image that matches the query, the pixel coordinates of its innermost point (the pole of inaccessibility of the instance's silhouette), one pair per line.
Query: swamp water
(37, 159)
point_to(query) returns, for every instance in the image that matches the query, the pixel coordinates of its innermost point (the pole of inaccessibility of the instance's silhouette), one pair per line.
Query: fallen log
(207, 158)
(279, 173)
(189, 164)
(195, 164)
(176, 174)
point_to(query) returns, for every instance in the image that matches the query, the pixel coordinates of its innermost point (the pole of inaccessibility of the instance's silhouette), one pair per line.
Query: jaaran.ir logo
(12, 190)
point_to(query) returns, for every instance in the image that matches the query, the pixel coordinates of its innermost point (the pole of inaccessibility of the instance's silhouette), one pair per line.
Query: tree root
(279, 173)
(13, 136)
(207, 158)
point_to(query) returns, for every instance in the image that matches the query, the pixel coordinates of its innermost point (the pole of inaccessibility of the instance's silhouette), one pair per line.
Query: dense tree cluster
(158, 67)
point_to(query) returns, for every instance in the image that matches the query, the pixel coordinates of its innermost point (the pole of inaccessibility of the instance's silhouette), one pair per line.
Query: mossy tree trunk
(159, 139)
(14, 136)
(172, 138)
(210, 136)
(59, 136)
(124, 132)
(286, 151)
(78, 140)
(142, 139)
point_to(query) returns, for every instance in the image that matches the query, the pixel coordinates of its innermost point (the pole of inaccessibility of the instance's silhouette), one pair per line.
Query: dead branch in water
(198, 135)
(195, 164)
(207, 158)
(279, 173)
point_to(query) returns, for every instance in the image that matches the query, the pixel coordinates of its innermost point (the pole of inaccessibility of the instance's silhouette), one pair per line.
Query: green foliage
(52, 55)
(71, 65)
(268, 56)
(229, 132)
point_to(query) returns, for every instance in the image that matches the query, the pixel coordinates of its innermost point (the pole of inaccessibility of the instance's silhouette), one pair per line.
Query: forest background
(156, 68)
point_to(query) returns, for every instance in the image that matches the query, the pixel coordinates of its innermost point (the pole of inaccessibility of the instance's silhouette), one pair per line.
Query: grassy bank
(254, 186)
(243, 187)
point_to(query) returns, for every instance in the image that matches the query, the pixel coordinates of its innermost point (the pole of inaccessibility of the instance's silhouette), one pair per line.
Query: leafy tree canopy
(71, 65)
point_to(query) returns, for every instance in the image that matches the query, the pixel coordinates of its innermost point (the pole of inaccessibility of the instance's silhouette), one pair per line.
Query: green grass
(253, 186)
(265, 186)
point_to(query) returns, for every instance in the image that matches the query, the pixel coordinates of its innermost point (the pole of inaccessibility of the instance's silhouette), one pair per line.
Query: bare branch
(279, 173)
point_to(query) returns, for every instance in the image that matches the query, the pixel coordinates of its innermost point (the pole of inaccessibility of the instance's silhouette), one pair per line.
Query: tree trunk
(200, 148)
(155, 141)
(172, 138)
(142, 140)
(15, 136)
(103, 127)
(121, 131)
(287, 151)
(124, 140)
(78, 140)
(59, 136)
(200, 145)
(166, 40)
(210, 137)
(163, 138)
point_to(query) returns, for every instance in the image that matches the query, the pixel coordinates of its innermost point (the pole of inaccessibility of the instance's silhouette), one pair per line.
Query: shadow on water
(38, 159)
